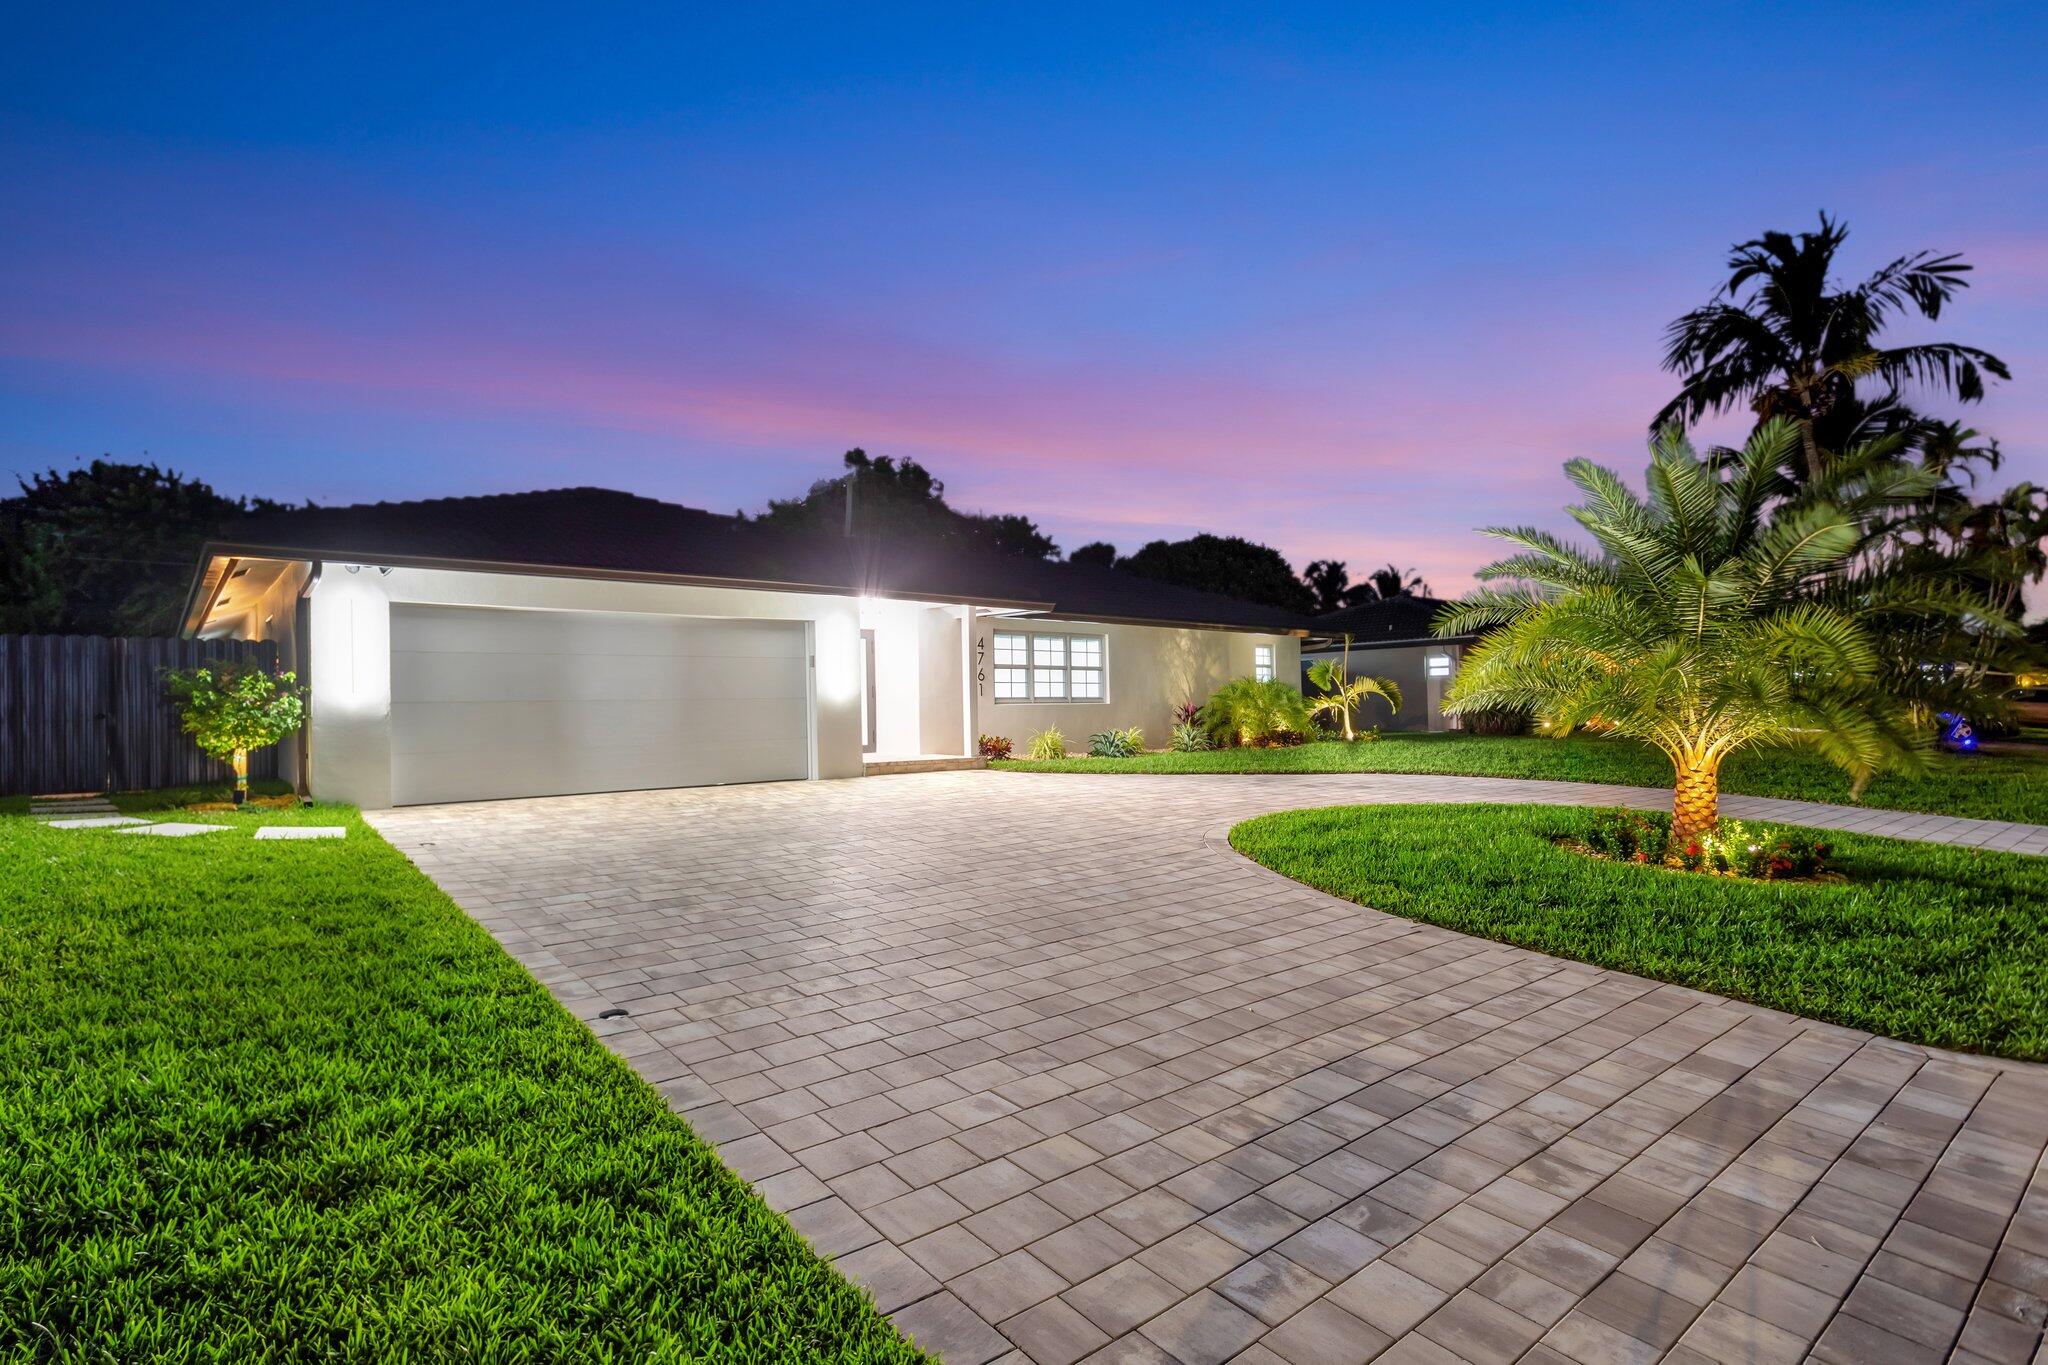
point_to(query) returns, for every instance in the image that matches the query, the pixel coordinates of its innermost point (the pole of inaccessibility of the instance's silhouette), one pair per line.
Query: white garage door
(489, 703)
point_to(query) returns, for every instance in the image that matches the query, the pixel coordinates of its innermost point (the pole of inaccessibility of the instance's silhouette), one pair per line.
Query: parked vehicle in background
(2029, 704)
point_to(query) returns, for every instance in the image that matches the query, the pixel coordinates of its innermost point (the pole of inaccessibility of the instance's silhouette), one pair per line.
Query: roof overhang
(1325, 642)
(218, 560)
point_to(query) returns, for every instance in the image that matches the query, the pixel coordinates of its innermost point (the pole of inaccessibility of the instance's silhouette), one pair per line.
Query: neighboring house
(1392, 638)
(583, 640)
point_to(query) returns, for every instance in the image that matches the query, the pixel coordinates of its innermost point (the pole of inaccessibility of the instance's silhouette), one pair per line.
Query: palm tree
(1700, 627)
(1387, 583)
(1783, 337)
(1329, 580)
(1343, 694)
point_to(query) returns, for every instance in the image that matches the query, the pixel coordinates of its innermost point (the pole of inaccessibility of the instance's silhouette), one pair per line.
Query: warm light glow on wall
(838, 644)
(351, 646)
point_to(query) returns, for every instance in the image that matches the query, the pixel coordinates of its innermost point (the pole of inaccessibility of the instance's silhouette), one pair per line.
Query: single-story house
(583, 640)
(1392, 638)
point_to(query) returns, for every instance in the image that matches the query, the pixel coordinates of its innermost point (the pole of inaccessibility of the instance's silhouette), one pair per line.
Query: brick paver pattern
(1057, 1076)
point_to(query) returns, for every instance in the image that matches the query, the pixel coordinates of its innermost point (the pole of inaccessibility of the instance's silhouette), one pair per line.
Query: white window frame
(1262, 663)
(1438, 665)
(1036, 667)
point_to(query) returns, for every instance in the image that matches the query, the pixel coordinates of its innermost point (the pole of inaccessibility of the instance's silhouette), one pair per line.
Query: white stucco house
(1393, 638)
(585, 640)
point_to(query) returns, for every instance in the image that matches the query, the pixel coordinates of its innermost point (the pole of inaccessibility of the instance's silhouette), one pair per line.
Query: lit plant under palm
(1701, 627)
(1343, 694)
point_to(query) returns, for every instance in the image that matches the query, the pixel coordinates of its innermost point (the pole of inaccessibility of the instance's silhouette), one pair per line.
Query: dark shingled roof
(601, 531)
(1392, 620)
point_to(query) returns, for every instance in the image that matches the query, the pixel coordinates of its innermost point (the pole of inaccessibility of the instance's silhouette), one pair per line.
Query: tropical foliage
(888, 499)
(1047, 744)
(1342, 694)
(1783, 337)
(1711, 619)
(1117, 743)
(107, 549)
(230, 708)
(1248, 711)
(1229, 565)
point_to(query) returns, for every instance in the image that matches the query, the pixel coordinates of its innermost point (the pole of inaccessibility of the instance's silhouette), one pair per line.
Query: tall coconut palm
(1700, 626)
(1343, 694)
(1782, 336)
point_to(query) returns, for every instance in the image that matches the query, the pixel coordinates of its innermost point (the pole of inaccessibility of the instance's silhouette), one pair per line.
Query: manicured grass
(284, 1101)
(1932, 944)
(1990, 787)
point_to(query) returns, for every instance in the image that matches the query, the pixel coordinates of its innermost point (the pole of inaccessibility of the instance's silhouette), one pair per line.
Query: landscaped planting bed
(284, 1101)
(1986, 786)
(1928, 943)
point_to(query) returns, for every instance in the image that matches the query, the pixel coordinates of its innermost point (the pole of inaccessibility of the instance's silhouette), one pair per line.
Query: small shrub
(993, 746)
(1731, 850)
(1629, 836)
(1189, 738)
(1497, 720)
(1247, 711)
(1187, 713)
(1117, 743)
(1048, 743)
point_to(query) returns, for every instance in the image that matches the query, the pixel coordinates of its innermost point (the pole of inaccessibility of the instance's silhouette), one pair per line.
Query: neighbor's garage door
(490, 703)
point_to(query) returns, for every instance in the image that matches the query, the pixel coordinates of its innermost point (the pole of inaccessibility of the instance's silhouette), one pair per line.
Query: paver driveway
(1051, 1070)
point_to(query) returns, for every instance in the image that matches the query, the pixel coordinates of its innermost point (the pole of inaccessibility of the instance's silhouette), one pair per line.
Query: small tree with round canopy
(230, 708)
(1702, 626)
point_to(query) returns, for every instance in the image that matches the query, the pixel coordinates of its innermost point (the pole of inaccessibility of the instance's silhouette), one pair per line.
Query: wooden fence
(83, 713)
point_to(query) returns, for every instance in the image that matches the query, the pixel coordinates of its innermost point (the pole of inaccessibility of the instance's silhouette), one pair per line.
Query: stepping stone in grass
(302, 832)
(98, 822)
(173, 829)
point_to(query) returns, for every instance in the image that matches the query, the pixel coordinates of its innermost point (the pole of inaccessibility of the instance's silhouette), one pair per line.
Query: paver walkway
(1057, 1075)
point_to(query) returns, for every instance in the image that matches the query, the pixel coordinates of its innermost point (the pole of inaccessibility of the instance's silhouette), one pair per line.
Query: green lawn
(284, 1101)
(1935, 945)
(1991, 787)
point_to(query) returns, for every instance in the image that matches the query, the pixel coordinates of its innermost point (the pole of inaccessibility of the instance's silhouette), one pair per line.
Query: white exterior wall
(1149, 671)
(351, 655)
(1422, 697)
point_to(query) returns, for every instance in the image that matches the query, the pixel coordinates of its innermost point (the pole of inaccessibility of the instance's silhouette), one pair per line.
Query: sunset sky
(1349, 280)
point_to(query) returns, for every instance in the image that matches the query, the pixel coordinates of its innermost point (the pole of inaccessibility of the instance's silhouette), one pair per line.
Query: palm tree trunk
(1811, 448)
(1695, 803)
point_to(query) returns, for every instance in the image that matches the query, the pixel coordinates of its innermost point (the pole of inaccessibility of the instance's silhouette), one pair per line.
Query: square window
(1011, 685)
(1048, 651)
(1009, 650)
(1085, 651)
(1087, 684)
(1439, 666)
(1050, 683)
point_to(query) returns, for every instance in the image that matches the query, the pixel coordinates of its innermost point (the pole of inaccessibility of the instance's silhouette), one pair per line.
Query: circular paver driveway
(1051, 1071)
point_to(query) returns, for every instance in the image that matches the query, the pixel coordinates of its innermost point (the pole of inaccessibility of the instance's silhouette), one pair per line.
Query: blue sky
(1351, 281)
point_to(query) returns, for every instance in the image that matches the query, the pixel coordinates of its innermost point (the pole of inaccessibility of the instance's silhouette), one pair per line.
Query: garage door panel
(431, 677)
(456, 726)
(497, 703)
(491, 630)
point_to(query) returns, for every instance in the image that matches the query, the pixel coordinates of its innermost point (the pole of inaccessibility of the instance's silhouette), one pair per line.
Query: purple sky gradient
(1351, 289)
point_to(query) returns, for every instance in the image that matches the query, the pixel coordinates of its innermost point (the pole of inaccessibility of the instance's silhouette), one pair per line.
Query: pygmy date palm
(1698, 627)
(1343, 694)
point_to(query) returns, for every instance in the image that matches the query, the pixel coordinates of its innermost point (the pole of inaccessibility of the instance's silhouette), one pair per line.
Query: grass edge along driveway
(284, 1100)
(1984, 786)
(1926, 943)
